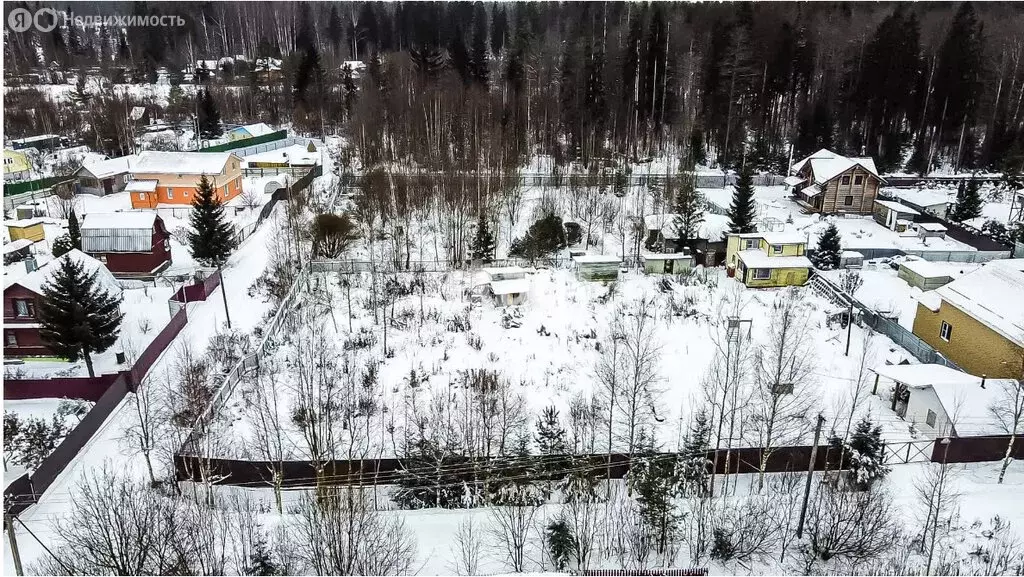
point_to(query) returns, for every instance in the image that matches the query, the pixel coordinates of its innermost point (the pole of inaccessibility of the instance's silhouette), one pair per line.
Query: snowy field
(551, 358)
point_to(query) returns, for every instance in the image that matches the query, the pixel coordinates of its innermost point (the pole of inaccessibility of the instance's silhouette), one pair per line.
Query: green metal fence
(32, 185)
(280, 134)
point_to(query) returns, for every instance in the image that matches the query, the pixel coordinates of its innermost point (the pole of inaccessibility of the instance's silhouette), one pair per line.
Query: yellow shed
(29, 228)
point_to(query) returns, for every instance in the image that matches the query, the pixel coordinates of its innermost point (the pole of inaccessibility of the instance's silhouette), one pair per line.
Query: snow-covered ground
(145, 314)
(40, 409)
(890, 295)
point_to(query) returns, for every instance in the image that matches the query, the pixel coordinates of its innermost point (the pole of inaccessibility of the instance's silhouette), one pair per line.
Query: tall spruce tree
(78, 316)
(688, 208)
(550, 433)
(829, 253)
(693, 468)
(74, 231)
(483, 245)
(654, 481)
(968, 202)
(209, 116)
(561, 543)
(210, 238)
(741, 210)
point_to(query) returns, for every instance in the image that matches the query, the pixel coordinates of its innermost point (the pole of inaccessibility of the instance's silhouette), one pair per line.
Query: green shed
(597, 267)
(667, 263)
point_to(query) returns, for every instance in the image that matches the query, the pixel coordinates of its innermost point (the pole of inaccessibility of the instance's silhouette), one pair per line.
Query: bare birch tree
(467, 549)
(784, 391)
(1008, 411)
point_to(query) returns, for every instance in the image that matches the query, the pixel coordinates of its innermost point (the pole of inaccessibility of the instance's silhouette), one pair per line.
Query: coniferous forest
(484, 86)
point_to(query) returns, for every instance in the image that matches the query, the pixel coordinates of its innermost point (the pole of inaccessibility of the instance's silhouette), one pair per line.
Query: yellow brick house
(977, 321)
(768, 259)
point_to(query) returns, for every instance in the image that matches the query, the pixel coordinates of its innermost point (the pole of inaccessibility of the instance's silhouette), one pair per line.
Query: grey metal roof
(101, 240)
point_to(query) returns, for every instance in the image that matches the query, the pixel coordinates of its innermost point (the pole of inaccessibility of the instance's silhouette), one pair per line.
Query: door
(668, 265)
(108, 186)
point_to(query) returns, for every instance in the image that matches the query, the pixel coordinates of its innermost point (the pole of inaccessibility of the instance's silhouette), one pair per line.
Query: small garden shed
(674, 263)
(923, 274)
(29, 228)
(597, 267)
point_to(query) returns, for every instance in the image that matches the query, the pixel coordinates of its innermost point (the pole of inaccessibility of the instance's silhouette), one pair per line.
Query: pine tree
(741, 210)
(78, 317)
(499, 28)
(550, 433)
(544, 237)
(74, 231)
(210, 238)
(478, 50)
(335, 29)
(561, 543)
(694, 466)
(261, 562)
(688, 208)
(483, 245)
(654, 481)
(865, 450)
(829, 253)
(209, 116)
(968, 202)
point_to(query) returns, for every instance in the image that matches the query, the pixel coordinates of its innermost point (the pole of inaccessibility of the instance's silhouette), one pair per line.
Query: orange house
(172, 177)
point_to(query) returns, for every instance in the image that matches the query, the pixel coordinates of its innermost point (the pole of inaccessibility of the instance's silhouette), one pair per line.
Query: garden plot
(33, 428)
(546, 352)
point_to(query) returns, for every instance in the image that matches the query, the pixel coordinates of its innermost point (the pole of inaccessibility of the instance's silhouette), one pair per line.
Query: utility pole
(15, 554)
(810, 475)
(849, 328)
(224, 295)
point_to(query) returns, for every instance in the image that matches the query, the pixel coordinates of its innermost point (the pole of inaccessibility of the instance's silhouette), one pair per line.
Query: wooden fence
(388, 471)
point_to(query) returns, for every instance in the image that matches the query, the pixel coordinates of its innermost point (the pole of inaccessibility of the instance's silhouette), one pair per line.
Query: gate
(908, 452)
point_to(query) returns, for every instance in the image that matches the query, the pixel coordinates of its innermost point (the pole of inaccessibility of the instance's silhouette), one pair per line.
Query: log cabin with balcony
(829, 183)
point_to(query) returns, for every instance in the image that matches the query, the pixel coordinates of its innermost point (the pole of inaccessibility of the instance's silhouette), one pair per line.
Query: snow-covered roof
(926, 374)
(110, 166)
(827, 165)
(37, 138)
(35, 280)
(118, 232)
(852, 254)
(895, 206)
(24, 223)
(597, 259)
(258, 129)
(793, 180)
(756, 259)
(503, 271)
(919, 196)
(141, 186)
(666, 256)
(811, 191)
(932, 226)
(925, 268)
(133, 219)
(16, 245)
(994, 295)
(159, 162)
(504, 287)
(930, 301)
(784, 237)
(296, 154)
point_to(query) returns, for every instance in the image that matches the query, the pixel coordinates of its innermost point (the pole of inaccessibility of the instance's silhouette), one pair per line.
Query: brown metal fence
(22, 493)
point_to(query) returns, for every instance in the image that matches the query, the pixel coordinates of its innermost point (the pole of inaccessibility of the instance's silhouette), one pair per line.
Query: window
(12, 340)
(102, 258)
(167, 244)
(858, 180)
(142, 196)
(848, 201)
(776, 249)
(8, 161)
(762, 273)
(170, 193)
(930, 419)
(24, 308)
(945, 331)
(846, 179)
(750, 243)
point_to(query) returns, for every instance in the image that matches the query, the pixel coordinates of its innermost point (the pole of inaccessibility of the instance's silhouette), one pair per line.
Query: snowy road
(106, 448)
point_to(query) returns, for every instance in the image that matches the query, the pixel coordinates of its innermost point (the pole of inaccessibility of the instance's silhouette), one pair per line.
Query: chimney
(30, 264)
(983, 377)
